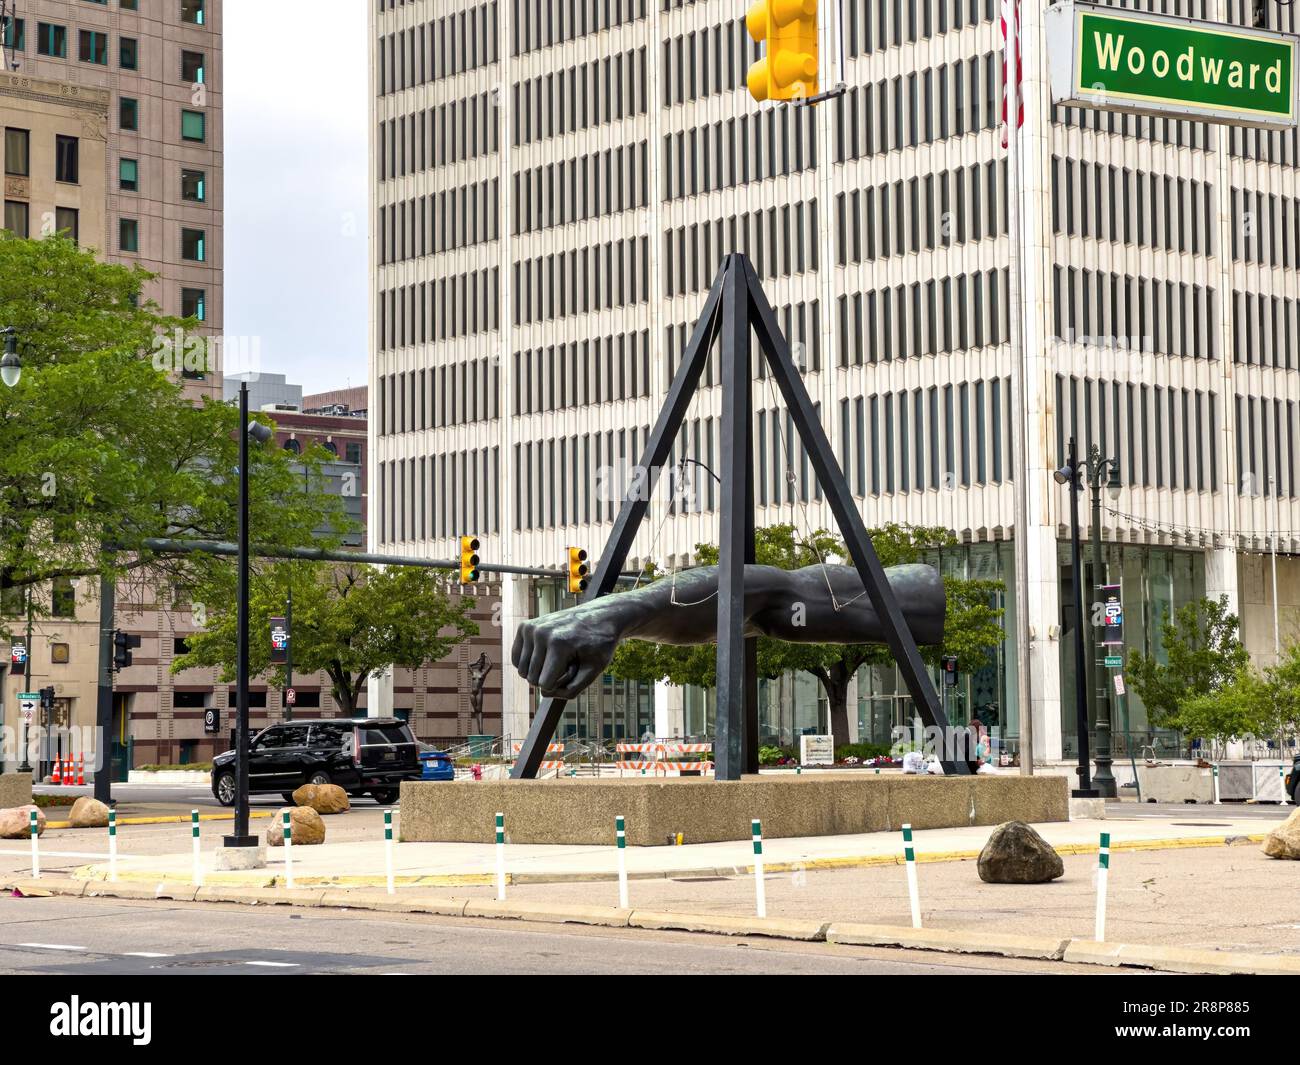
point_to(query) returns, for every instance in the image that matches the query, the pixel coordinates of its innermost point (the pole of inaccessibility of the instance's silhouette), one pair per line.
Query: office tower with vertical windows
(554, 185)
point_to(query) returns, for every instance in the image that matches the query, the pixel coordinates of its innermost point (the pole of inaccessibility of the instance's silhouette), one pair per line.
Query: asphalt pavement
(85, 937)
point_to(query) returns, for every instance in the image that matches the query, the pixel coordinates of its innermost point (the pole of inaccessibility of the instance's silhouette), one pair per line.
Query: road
(84, 937)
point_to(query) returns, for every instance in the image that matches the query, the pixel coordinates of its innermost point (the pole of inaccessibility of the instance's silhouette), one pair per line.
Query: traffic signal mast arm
(563, 652)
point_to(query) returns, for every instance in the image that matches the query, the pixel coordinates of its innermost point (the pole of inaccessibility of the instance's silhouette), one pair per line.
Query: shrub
(861, 751)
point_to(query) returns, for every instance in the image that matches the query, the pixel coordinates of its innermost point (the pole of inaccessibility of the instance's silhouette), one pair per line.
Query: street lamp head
(259, 433)
(1112, 483)
(11, 366)
(1065, 475)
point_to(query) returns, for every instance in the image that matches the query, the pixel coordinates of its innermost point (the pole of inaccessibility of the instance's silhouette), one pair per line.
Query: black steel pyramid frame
(735, 308)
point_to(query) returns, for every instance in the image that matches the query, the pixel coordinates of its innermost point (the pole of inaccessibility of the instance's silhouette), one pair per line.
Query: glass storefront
(987, 693)
(1155, 582)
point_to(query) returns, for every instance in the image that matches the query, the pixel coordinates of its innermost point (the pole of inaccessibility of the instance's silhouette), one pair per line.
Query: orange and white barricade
(658, 757)
(551, 748)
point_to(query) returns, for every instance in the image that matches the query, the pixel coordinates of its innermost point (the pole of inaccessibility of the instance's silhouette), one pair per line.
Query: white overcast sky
(296, 197)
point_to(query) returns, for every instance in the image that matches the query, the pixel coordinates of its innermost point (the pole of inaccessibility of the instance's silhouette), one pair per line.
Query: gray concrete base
(235, 858)
(1087, 809)
(582, 811)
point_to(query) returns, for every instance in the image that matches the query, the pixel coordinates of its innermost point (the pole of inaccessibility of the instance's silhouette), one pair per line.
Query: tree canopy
(99, 442)
(352, 621)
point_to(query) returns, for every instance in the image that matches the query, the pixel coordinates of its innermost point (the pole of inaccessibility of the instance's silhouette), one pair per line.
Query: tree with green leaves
(973, 629)
(351, 621)
(99, 444)
(1202, 654)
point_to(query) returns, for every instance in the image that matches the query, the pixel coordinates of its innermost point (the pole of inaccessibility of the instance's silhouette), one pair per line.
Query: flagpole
(1019, 380)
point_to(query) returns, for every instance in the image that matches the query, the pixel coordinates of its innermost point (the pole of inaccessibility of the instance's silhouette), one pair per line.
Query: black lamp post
(1069, 475)
(1101, 471)
(1096, 471)
(259, 432)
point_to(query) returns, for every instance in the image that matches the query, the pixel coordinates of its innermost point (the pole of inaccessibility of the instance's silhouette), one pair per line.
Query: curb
(169, 819)
(939, 940)
(949, 941)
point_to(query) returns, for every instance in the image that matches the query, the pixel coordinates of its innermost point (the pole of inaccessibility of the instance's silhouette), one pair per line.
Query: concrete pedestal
(582, 811)
(235, 858)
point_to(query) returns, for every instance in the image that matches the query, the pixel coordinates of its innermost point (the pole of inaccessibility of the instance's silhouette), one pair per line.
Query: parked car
(1293, 781)
(437, 764)
(362, 755)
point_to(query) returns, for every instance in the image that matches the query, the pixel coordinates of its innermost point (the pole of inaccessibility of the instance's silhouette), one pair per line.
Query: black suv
(1293, 781)
(362, 755)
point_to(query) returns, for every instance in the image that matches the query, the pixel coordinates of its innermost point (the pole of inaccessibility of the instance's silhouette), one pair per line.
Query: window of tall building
(52, 40)
(16, 215)
(128, 234)
(352, 452)
(67, 151)
(128, 113)
(68, 220)
(63, 598)
(128, 53)
(130, 5)
(194, 245)
(193, 11)
(18, 159)
(194, 126)
(93, 47)
(192, 67)
(13, 33)
(194, 304)
(194, 185)
(128, 175)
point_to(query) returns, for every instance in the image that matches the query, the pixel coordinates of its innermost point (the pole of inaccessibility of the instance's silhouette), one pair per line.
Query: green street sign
(1120, 60)
(1114, 661)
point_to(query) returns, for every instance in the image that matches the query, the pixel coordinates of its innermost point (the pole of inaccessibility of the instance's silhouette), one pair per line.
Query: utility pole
(1103, 780)
(1020, 411)
(26, 766)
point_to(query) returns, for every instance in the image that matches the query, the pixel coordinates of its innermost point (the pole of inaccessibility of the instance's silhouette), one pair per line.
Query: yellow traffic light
(468, 559)
(577, 570)
(789, 70)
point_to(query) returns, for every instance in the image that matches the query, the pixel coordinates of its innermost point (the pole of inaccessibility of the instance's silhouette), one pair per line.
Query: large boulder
(1284, 841)
(16, 822)
(88, 812)
(308, 828)
(323, 798)
(1016, 854)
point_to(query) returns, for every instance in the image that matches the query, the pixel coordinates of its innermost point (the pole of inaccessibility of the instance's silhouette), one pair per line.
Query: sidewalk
(451, 864)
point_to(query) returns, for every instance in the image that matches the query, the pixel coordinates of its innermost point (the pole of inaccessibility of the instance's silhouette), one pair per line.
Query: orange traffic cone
(81, 770)
(57, 778)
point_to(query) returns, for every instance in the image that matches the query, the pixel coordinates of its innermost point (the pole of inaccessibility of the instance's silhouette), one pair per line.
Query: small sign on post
(816, 750)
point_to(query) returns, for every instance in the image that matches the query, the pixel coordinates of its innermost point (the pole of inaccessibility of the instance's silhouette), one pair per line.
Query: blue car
(436, 765)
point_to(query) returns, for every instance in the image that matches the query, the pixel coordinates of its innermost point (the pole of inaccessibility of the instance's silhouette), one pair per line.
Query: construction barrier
(551, 748)
(662, 757)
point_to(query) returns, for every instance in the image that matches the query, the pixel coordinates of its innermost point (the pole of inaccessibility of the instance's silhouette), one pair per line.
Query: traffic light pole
(102, 762)
(26, 766)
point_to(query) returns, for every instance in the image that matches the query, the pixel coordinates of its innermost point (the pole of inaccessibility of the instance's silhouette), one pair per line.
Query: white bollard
(501, 856)
(620, 837)
(760, 889)
(913, 890)
(1216, 784)
(198, 861)
(1103, 870)
(288, 849)
(112, 846)
(388, 848)
(36, 852)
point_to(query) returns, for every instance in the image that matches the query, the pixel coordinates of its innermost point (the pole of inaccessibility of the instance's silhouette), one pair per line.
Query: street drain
(1202, 824)
(699, 879)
